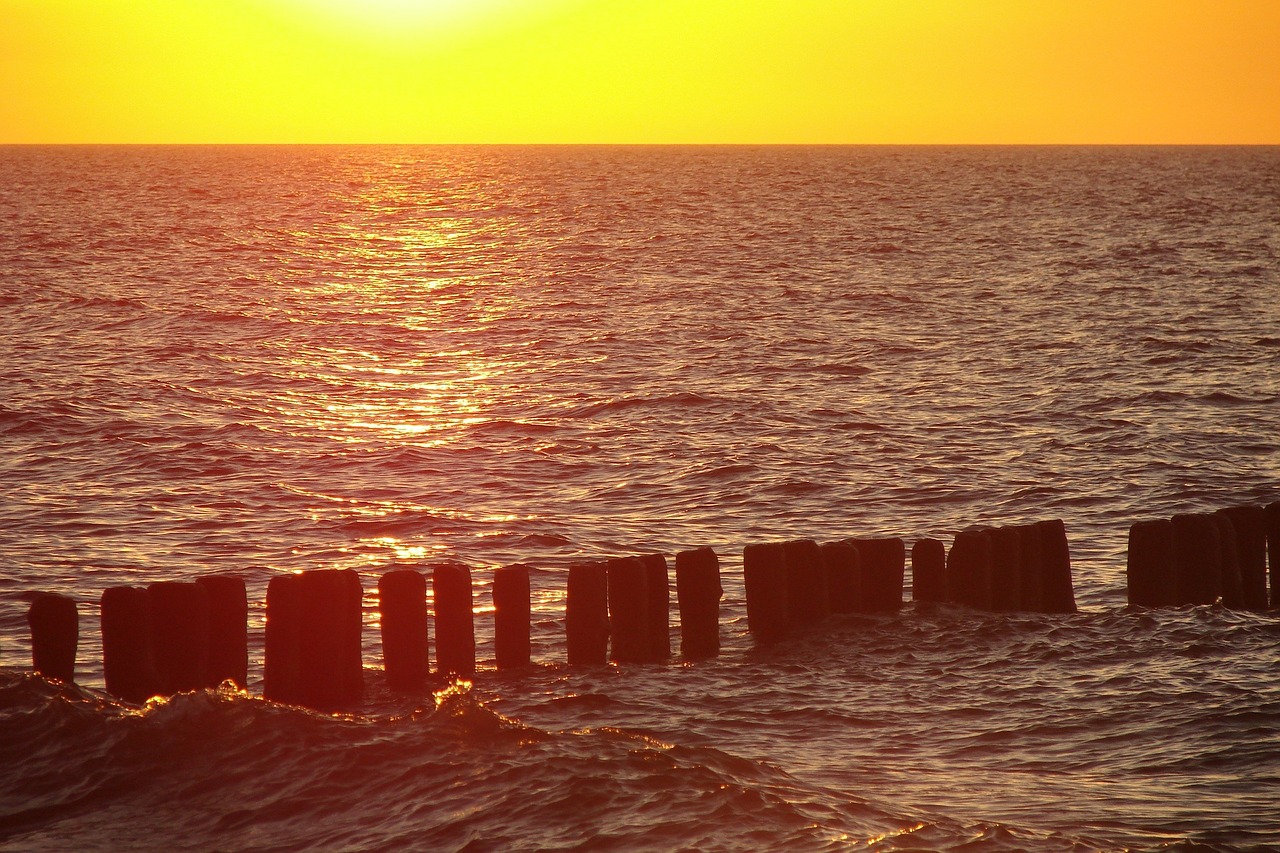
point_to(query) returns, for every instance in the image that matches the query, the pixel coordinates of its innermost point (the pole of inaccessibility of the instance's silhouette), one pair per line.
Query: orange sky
(830, 71)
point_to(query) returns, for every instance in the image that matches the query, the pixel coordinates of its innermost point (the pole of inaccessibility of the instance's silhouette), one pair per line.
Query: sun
(401, 16)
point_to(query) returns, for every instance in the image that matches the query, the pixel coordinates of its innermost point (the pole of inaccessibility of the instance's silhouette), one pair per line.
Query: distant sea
(267, 359)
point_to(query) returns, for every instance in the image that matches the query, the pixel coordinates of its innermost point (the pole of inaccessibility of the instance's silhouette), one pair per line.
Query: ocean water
(261, 360)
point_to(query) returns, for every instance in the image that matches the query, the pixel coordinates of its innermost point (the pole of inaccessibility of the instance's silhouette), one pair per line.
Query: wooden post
(455, 622)
(55, 632)
(698, 593)
(807, 600)
(969, 569)
(1058, 588)
(282, 664)
(628, 611)
(1232, 589)
(658, 583)
(1272, 511)
(929, 571)
(402, 606)
(1032, 570)
(331, 666)
(586, 619)
(1199, 577)
(228, 630)
(1250, 524)
(179, 635)
(512, 614)
(128, 661)
(883, 564)
(764, 570)
(1151, 566)
(844, 576)
(1006, 569)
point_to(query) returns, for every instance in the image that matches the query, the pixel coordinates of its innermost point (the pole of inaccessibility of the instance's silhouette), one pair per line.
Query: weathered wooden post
(1232, 589)
(764, 570)
(1006, 569)
(402, 607)
(1058, 589)
(228, 630)
(512, 614)
(1272, 511)
(1032, 568)
(587, 614)
(282, 664)
(55, 632)
(1250, 523)
(883, 563)
(969, 569)
(1151, 566)
(807, 600)
(658, 583)
(844, 576)
(1199, 578)
(929, 571)
(629, 611)
(179, 635)
(128, 661)
(455, 622)
(331, 667)
(698, 593)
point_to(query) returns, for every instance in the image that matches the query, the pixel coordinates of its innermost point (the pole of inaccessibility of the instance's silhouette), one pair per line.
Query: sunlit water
(261, 360)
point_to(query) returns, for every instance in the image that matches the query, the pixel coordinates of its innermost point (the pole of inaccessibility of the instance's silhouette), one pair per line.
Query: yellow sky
(829, 71)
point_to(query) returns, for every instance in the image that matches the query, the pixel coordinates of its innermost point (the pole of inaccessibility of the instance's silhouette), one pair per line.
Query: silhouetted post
(1006, 569)
(586, 618)
(764, 574)
(1195, 537)
(455, 624)
(929, 571)
(228, 630)
(698, 593)
(179, 634)
(512, 614)
(658, 583)
(402, 607)
(969, 569)
(1031, 569)
(1228, 554)
(628, 611)
(883, 565)
(1250, 524)
(1152, 564)
(55, 632)
(282, 664)
(128, 662)
(807, 600)
(1273, 551)
(1059, 594)
(843, 568)
(331, 669)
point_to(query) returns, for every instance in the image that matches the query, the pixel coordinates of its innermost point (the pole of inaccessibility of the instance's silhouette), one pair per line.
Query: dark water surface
(270, 359)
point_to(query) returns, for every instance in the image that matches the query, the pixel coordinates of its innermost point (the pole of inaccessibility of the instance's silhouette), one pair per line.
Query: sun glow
(403, 18)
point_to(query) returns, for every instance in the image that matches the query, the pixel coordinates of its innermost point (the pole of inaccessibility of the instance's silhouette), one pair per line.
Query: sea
(260, 360)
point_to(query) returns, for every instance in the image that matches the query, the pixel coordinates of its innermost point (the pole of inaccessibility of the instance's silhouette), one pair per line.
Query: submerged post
(128, 662)
(586, 619)
(455, 623)
(698, 593)
(228, 630)
(180, 635)
(402, 607)
(929, 571)
(764, 571)
(512, 613)
(55, 632)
